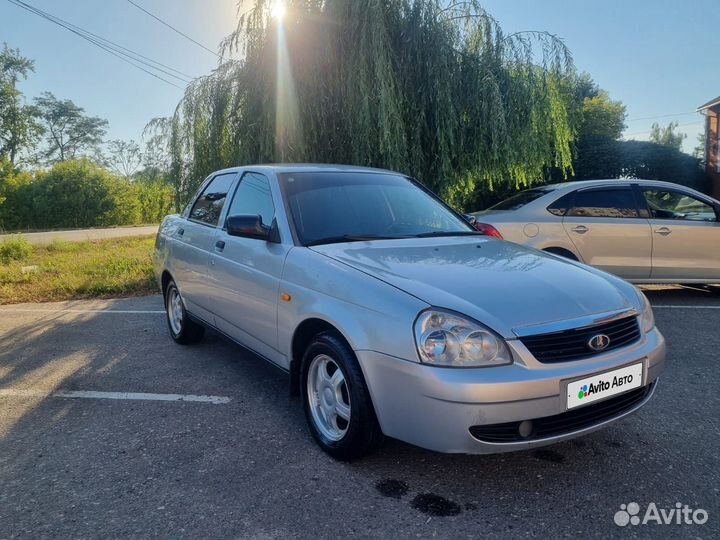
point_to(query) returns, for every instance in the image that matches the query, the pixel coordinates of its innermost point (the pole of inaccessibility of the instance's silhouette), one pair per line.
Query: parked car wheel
(562, 252)
(182, 329)
(336, 399)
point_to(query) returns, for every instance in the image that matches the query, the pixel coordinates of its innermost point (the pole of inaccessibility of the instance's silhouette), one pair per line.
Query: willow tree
(428, 87)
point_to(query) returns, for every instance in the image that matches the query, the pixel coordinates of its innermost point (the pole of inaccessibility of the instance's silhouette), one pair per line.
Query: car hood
(503, 285)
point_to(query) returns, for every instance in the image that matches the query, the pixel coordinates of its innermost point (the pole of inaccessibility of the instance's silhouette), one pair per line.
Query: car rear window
(520, 199)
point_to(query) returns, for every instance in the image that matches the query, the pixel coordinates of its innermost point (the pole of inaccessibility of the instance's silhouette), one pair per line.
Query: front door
(686, 235)
(246, 273)
(606, 228)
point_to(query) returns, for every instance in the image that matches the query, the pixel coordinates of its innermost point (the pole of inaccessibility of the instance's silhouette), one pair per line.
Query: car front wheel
(182, 329)
(336, 399)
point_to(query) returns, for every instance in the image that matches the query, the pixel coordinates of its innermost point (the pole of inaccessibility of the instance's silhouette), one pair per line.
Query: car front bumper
(435, 407)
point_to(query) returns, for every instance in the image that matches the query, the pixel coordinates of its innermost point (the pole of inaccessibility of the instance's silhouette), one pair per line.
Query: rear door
(686, 235)
(194, 241)
(606, 227)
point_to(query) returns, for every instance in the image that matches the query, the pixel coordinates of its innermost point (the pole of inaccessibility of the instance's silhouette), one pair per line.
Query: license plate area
(603, 385)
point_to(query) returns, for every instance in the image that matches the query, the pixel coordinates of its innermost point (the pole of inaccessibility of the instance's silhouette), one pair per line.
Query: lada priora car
(393, 316)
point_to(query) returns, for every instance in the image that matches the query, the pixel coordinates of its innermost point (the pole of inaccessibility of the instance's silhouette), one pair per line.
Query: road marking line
(125, 311)
(89, 394)
(686, 307)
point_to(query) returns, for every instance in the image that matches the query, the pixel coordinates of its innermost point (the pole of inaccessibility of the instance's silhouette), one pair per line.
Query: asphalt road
(239, 461)
(80, 235)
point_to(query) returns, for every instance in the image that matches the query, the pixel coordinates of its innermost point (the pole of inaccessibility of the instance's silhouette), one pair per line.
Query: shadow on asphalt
(691, 295)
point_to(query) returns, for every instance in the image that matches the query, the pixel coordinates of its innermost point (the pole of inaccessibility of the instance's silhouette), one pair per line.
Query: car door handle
(180, 232)
(663, 230)
(219, 245)
(580, 229)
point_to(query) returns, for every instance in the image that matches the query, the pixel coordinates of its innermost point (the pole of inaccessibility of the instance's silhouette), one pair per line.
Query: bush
(79, 194)
(15, 249)
(640, 159)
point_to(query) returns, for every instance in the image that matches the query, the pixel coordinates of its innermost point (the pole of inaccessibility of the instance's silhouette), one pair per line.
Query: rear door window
(209, 204)
(605, 203)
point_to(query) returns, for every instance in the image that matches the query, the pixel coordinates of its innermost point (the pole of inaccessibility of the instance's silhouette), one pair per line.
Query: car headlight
(447, 339)
(647, 318)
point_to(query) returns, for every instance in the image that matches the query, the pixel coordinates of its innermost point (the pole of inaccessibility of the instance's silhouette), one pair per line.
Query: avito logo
(682, 514)
(602, 386)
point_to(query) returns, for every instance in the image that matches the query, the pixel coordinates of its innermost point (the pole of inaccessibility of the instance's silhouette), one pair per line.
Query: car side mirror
(470, 218)
(251, 226)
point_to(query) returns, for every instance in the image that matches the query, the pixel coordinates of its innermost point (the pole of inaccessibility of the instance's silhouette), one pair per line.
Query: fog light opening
(525, 429)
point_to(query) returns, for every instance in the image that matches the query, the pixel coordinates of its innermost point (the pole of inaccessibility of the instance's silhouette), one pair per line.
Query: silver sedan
(393, 316)
(645, 231)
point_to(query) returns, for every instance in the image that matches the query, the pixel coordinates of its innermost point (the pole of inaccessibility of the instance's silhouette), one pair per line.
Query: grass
(71, 270)
(14, 249)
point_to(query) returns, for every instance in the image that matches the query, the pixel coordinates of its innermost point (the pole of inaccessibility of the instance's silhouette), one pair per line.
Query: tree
(602, 117)
(667, 135)
(123, 157)
(19, 126)
(699, 150)
(156, 136)
(601, 123)
(432, 88)
(70, 132)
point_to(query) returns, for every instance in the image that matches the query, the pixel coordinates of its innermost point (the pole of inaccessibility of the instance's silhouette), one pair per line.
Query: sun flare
(277, 11)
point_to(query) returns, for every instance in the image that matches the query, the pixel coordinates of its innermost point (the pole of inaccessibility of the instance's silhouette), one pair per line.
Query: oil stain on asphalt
(435, 505)
(427, 503)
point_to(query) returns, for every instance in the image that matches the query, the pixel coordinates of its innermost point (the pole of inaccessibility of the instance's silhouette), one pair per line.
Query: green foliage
(19, 126)
(431, 88)
(14, 249)
(602, 118)
(155, 200)
(667, 136)
(14, 194)
(78, 194)
(699, 150)
(70, 132)
(642, 159)
(64, 246)
(600, 126)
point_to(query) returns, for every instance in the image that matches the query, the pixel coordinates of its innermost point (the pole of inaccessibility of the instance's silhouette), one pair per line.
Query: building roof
(709, 104)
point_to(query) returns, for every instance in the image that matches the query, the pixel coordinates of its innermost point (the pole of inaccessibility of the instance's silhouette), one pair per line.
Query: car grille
(567, 422)
(573, 344)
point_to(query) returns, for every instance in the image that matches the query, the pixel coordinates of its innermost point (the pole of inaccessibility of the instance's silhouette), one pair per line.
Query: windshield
(519, 200)
(332, 207)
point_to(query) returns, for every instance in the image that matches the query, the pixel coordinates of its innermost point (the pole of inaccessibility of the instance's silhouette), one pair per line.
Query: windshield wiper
(351, 238)
(446, 233)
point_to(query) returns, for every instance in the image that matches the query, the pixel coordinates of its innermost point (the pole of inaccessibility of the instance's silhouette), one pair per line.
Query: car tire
(182, 329)
(333, 388)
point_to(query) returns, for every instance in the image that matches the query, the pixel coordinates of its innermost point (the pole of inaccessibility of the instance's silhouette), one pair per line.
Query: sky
(660, 57)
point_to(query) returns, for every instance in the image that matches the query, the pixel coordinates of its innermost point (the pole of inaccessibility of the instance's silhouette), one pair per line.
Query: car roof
(306, 167)
(610, 181)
